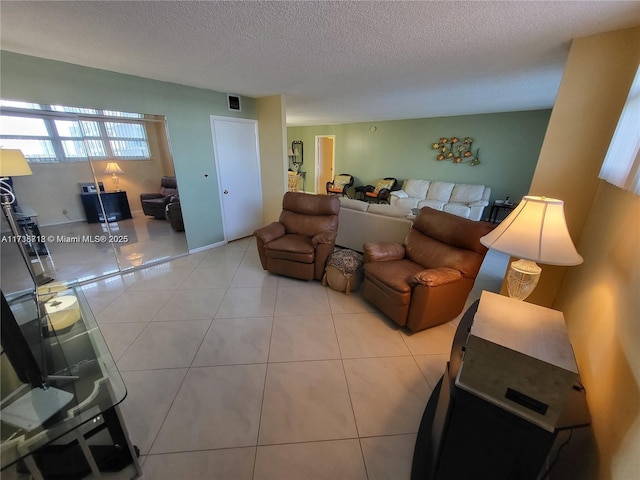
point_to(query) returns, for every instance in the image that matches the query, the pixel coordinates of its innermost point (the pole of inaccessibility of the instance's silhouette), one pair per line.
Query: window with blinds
(56, 133)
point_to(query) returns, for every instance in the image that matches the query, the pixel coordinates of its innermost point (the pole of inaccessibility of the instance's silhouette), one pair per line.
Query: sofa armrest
(265, 235)
(326, 237)
(434, 277)
(400, 194)
(383, 251)
(270, 232)
(479, 203)
(486, 195)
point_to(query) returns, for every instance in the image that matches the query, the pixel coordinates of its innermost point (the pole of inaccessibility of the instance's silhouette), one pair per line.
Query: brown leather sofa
(154, 204)
(299, 244)
(426, 280)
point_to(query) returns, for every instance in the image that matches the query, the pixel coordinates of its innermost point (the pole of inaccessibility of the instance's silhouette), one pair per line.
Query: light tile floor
(147, 240)
(234, 373)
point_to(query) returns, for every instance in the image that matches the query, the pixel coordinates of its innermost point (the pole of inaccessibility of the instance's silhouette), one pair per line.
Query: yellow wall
(594, 87)
(600, 298)
(272, 131)
(601, 303)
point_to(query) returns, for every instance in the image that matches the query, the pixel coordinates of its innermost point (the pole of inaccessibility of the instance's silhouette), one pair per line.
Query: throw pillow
(340, 181)
(382, 184)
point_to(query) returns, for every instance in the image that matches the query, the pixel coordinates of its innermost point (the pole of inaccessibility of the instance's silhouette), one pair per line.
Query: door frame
(318, 188)
(216, 159)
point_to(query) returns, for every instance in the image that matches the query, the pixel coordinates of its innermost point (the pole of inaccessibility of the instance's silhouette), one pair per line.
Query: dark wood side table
(497, 207)
(466, 435)
(116, 206)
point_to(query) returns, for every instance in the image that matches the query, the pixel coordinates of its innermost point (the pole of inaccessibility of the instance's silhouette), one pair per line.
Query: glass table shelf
(82, 390)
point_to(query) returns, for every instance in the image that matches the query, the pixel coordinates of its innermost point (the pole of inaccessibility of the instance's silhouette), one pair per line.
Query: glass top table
(81, 383)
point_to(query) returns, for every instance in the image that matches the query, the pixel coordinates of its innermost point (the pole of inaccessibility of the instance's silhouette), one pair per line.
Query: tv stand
(46, 431)
(116, 206)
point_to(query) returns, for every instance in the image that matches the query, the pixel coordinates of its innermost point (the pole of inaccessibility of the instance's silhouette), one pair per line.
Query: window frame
(50, 113)
(621, 164)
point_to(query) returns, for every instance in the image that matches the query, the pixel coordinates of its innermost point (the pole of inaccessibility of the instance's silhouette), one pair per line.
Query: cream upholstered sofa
(467, 201)
(361, 222)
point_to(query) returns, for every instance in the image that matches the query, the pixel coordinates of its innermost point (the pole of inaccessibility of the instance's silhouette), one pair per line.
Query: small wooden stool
(344, 271)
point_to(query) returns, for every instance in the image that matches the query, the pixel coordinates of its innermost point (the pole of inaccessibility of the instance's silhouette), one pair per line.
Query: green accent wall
(509, 146)
(187, 111)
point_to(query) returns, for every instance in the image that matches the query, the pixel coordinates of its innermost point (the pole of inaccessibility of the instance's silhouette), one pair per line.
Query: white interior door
(235, 148)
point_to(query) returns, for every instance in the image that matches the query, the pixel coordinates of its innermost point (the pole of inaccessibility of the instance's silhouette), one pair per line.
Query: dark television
(17, 350)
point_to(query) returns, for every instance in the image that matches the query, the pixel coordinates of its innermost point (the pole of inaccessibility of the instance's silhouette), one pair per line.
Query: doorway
(325, 161)
(235, 149)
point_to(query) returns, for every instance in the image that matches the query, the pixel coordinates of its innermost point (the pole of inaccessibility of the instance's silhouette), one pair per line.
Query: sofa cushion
(463, 193)
(435, 204)
(308, 215)
(388, 210)
(395, 274)
(295, 248)
(457, 209)
(381, 185)
(353, 204)
(440, 191)
(417, 188)
(407, 203)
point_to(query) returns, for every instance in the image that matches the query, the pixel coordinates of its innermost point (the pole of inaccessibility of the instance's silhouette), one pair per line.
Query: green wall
(186, 110)
(509, 146)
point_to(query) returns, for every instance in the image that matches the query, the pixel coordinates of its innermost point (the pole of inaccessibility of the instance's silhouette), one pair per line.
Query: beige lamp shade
(113, 167)
(13, 163)
(536, 230)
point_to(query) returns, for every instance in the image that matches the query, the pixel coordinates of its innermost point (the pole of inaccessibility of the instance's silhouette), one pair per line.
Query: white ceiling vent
(233, 102)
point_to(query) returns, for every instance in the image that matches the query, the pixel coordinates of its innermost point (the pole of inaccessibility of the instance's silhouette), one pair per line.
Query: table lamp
(113, 168)
(536, 231)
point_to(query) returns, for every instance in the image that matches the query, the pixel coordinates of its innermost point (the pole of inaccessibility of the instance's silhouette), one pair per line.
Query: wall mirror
(296, 154)
(83, 199)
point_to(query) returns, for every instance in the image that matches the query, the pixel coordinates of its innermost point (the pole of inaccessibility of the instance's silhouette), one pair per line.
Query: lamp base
(116, 182)
(522, 278)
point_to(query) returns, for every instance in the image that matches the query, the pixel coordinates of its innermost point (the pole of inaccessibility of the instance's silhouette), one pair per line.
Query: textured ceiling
(335, 62)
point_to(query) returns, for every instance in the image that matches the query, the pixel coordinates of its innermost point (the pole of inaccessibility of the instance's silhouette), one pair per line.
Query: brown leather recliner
(299, 244)
(425, 281)
(154, 204)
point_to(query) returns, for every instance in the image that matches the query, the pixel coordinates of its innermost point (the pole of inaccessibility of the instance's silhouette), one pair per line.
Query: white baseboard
(207, 247)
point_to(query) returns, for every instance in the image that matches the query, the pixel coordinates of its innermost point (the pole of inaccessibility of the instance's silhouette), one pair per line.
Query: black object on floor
(66, 462)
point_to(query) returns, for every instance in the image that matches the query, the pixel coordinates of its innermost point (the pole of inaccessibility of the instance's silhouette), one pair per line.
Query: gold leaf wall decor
(456, 151)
